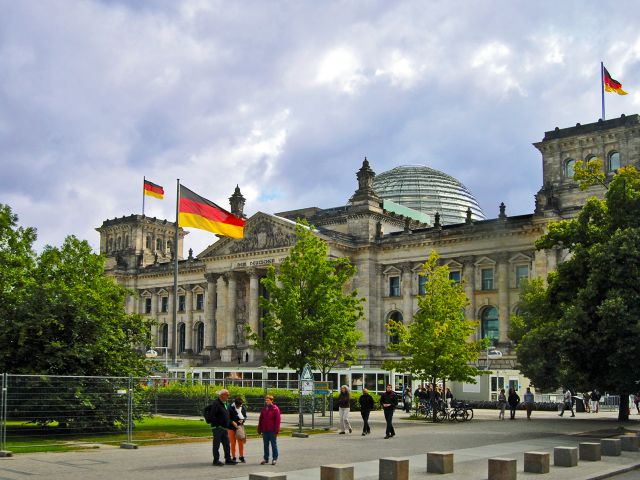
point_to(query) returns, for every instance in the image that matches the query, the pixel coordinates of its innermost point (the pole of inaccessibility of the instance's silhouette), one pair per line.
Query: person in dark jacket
(220, 422)
(344, 407)
(389, 402)
(238, 414)
(366, 405)
(513, 400)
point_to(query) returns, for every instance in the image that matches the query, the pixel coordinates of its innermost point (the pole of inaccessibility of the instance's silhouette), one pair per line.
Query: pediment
(520, 258)
(163, 292)
(391, 270)
(261, 232)
(485, 261)
(452, 264)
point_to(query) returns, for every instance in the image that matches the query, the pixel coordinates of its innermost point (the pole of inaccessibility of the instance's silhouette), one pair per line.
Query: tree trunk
(623, 411)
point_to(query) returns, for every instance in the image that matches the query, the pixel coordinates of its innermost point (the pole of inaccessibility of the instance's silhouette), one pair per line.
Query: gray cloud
(286, 98)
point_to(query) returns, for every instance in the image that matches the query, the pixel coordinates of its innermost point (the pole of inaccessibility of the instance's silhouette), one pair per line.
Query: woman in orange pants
(238, 414)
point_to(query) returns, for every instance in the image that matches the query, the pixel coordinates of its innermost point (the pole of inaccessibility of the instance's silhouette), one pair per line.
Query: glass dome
(429, 191)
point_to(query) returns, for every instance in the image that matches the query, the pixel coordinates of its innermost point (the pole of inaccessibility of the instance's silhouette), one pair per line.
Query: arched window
(397, 317)
(613, 162)
(489, 324)
(181, 337)
(164, 335)
(569, 165)
(149, 244)
(200, 337)
(159, 244)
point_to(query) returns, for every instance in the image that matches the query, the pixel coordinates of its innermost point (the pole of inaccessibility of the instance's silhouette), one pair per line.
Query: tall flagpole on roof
(144, 181)
(602, 87)
(174, 343)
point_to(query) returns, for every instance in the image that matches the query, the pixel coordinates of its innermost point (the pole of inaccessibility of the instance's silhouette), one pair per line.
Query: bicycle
(461, 412)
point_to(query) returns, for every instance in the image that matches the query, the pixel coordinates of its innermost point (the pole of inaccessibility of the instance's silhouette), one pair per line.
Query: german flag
(611, 85)
(153, 190)
(198, 212)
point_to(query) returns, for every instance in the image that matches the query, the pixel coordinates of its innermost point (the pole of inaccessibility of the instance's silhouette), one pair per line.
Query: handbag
(240, 433)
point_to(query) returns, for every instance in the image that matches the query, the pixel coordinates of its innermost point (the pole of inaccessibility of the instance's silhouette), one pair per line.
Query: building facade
(219, 290)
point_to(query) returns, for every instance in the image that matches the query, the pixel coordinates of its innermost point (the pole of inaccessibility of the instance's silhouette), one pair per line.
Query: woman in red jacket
(269, 427)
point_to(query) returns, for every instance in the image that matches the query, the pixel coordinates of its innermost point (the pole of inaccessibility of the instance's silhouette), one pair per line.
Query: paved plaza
(472, 443)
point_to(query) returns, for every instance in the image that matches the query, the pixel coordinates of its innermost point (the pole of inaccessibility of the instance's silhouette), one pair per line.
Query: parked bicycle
(460, 412)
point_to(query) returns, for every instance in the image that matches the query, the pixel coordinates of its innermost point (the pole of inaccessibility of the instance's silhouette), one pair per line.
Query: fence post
(129, 443)
(3, 418)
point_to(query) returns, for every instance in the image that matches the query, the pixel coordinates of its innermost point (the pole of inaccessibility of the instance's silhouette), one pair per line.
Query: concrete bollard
(502, 469)
(336, 472)
(589, 451)
(629, 443)
(393, 468)
(565, 456)
(267, 476)
(611, 447)
(439, 462)
(536, 462)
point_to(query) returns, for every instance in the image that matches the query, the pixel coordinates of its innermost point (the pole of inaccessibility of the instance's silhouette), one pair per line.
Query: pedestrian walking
(448, 397)
(269, 428)
(567, 403)
(586, 399)
(344, 407)
(389, 402)
(636, 400)
(513, 400)
(502, 404)
(220, 421)
(406, 400)
(528, 402)
(595, 400)
(366, 405)
(238, 435)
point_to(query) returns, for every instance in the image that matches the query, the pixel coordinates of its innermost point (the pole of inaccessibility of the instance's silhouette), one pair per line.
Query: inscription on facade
(257, 263)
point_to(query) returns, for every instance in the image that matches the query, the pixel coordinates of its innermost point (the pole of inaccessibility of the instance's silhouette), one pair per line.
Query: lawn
(23, 437)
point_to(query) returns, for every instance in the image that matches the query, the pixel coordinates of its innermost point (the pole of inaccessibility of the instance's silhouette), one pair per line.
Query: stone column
(377, 327)
(210, 310)
(406, 289)
(221, 304)
(231, 309)
(469, 282)
(188, 318)
(503, 297)
(254, 294)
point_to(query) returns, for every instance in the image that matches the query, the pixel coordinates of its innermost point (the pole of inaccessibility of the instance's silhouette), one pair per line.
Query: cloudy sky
(286, 98)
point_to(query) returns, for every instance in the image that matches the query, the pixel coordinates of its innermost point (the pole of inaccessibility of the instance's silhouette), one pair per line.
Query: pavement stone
(472, 443)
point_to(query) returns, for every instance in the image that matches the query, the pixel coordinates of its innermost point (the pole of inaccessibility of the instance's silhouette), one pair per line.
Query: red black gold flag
(611, 85)
(153, 190)
(198, 212)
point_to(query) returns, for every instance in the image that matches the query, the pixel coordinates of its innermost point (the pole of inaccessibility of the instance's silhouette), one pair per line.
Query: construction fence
(42, 410)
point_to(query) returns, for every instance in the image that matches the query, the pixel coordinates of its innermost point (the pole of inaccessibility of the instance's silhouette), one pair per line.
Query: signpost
(306, 388)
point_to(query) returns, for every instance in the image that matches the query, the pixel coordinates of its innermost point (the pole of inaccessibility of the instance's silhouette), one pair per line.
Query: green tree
(592, 304)
(436, 345)
(310, 316)
(17, 261)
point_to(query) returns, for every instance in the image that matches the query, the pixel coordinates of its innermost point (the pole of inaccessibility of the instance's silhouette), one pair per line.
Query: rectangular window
(422, 281)
(200, 301)
(455, 276)
(181, 302)
(164, 304)
(522, 273)
(147, 305)
(487, 278)
(394, 286)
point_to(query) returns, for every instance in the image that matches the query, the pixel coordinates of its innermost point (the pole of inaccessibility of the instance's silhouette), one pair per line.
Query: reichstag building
(387, 228)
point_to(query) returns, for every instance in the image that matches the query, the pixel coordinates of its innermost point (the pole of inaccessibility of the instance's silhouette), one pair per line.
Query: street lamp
(152, 353)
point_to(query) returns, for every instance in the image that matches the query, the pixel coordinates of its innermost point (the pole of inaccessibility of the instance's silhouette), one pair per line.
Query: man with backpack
(217, 414)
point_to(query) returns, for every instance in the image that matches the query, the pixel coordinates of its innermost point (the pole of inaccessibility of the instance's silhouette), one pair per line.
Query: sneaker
(363, 434)
(341, 433)
(230, 462)
(274, 462)
(350, 430)
(264, 462)
(242, 460)
(218, 464)
(233, 458)
(387, 436)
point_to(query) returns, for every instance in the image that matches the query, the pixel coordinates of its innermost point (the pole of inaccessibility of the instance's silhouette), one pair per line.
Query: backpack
(207, 413)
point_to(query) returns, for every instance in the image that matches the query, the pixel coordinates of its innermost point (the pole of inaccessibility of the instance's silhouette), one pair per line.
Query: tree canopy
(437, 345)
(61, 314)
(586, 320)
(311, 315)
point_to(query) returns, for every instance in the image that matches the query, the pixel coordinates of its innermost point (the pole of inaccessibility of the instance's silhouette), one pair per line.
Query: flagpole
(144, 180)
(175, 281)
(602, 87)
